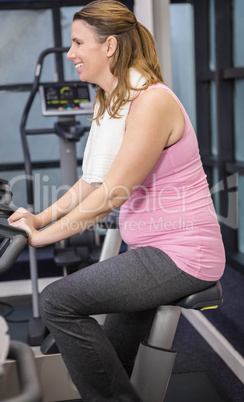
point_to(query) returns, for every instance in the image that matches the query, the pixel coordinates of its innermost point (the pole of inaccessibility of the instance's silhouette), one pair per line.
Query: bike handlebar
(10, 250)
(30, 389)
(13, 242)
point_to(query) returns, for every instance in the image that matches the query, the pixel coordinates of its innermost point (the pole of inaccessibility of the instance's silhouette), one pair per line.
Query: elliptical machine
(65, 100)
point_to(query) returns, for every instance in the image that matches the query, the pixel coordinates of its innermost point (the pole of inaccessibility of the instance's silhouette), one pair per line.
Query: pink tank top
(172, 209)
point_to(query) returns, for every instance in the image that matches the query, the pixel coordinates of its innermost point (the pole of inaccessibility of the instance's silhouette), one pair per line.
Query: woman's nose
(70, 55)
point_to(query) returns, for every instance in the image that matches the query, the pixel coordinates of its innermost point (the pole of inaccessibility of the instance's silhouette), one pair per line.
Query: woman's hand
(28, 216)
(32, 233)
(25, 220)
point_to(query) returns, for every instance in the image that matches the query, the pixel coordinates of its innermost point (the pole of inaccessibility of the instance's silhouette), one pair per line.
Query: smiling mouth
(78, 65)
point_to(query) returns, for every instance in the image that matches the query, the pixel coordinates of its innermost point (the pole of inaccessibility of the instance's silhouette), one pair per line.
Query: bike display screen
(66, 98)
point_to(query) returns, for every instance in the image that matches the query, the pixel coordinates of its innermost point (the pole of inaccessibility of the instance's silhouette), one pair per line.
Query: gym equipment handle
(30, 389)
(17, 239)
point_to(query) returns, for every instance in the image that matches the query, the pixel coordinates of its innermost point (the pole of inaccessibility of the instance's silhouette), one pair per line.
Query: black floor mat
(194, 387)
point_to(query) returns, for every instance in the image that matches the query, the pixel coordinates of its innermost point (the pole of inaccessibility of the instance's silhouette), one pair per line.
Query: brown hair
(135, 48)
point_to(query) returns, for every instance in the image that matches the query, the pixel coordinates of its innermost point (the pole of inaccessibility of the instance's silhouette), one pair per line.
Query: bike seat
(206, 299)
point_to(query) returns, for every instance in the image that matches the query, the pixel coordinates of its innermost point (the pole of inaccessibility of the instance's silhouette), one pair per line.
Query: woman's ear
(111, 43)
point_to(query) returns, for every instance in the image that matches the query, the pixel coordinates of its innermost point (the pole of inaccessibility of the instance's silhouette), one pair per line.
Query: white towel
(105, 139)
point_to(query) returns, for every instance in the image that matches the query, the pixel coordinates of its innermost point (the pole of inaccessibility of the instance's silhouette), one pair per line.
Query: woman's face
(90, 57)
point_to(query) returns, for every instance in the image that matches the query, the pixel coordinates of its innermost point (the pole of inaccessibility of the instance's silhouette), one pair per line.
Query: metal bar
(217, 341)
(235, 167)
(39, 5)
(203, 77)
(233, 73)
(23, 5)
(111, 244)
(34, 281)
(15, 88)
(164, 327)
(225, 112)
(57, 34)
(40, 131)
(202, 87)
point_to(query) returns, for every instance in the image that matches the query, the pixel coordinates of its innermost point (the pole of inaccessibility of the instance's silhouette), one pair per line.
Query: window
(219, 73)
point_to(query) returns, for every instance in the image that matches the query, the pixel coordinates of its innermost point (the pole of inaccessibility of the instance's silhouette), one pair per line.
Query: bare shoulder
(156, 99)
(157, 107)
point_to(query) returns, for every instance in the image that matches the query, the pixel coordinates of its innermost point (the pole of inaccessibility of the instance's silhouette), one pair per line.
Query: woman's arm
(79, 191)
(153, 120)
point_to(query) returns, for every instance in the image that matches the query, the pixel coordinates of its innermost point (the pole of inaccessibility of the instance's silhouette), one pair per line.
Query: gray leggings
(128, 288)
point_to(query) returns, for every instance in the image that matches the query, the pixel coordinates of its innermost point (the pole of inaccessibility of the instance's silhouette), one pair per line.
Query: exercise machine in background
(65, 100)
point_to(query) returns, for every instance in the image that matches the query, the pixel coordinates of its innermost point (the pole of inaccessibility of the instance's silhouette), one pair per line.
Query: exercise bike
(49, 367)
(155, 357)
